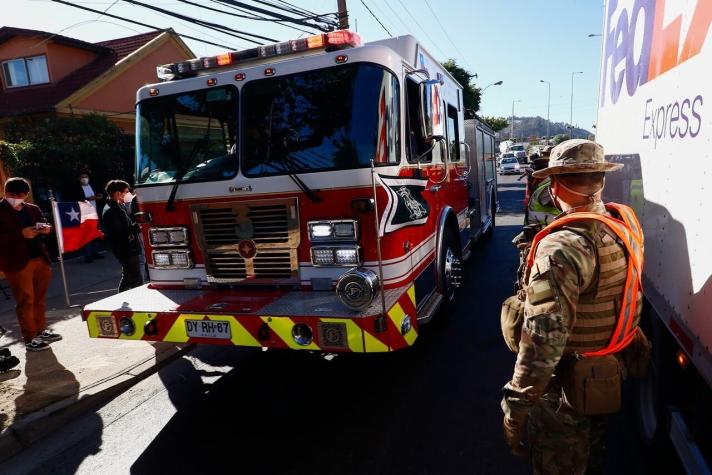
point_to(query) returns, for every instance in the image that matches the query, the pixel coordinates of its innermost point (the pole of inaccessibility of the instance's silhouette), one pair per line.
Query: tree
(50, 151)
(470, 92)
(497, 123)
(559, 138)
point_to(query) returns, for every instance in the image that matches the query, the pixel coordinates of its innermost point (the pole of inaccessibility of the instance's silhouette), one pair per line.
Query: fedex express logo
(644, 39)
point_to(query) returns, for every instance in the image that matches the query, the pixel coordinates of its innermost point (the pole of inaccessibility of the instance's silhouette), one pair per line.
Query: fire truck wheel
(451, 267)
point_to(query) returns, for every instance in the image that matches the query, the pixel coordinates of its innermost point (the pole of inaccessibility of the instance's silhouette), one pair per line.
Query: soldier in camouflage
(571, 291)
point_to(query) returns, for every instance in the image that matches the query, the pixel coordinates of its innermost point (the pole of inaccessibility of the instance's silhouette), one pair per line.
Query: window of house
(25, 71)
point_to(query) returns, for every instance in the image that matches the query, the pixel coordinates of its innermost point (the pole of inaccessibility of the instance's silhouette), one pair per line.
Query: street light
(511, 129)
(548, 110)
(498, 83)
(571, 116)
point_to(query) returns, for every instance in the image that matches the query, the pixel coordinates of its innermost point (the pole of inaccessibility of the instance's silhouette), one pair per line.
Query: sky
(519, 42)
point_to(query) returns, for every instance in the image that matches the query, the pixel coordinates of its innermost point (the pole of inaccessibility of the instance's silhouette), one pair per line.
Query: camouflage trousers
(563, 442)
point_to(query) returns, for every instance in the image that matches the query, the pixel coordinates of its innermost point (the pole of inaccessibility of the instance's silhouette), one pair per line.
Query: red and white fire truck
(313, 194)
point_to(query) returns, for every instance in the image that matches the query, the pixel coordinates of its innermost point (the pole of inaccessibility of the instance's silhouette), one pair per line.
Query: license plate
(207, 329)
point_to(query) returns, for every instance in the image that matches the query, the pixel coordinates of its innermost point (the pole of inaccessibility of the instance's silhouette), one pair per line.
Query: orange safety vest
(628, 230)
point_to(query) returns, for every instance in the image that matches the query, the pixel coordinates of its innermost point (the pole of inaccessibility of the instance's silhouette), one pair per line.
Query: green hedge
(51, 151)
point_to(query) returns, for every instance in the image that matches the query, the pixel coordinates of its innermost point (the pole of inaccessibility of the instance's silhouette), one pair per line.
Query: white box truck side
(655, 116)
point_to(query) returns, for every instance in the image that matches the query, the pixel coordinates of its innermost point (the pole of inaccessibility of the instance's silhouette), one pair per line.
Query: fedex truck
(654, 116)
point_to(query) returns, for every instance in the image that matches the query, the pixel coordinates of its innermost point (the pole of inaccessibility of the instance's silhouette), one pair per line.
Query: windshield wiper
(311, 194)
(181, 172)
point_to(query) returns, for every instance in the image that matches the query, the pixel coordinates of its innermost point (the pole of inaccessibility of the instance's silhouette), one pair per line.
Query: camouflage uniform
(569, 308)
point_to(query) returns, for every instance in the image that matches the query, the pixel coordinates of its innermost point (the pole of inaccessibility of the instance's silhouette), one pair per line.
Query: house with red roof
(43, 73)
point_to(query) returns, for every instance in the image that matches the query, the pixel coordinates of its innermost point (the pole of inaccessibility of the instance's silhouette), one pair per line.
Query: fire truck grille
(268, 224)
(249, 242)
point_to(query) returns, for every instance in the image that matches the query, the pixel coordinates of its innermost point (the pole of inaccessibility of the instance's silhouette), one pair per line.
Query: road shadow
(49, 381)
(433, 408)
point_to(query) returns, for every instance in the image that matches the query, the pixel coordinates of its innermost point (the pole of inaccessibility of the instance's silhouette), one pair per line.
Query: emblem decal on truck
(406, 205)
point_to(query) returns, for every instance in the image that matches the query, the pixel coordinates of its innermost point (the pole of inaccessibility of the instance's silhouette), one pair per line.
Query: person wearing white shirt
(91, 249)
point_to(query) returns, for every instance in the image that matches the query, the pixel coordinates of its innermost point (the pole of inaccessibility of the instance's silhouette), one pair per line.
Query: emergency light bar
(333, 39)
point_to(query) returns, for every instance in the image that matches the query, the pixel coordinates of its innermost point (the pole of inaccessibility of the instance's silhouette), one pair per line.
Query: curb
(41, 423)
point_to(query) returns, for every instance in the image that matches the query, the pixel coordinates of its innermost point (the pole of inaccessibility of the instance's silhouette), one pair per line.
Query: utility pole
(571, 117)
(343, 14)
(548, 111)
(511, 129)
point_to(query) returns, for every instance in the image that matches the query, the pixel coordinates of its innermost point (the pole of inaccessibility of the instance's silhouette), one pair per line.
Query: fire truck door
(477, 191)
(457, 163)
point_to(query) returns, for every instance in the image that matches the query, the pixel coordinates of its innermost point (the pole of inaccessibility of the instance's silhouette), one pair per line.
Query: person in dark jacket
(83, 191)
(121, 233)
(25, 262)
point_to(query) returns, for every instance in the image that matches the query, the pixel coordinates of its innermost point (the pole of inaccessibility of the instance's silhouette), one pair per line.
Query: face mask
(14, 202)
(128, 197)
(84, 181)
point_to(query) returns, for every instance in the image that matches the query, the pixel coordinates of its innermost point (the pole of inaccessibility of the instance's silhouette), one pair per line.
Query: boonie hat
(577, 156)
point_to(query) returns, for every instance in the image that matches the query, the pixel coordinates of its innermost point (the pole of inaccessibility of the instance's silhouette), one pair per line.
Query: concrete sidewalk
(78, 373)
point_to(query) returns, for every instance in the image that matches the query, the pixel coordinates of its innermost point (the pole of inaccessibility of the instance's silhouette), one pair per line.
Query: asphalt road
(432, 409)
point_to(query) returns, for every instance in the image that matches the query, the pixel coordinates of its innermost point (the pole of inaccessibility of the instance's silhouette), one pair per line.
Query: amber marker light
(224, 59)
(342, 58)
(269, 71)
(153, 91)
(682, 359)
(240, 77)
(316, 41)
(212, 81)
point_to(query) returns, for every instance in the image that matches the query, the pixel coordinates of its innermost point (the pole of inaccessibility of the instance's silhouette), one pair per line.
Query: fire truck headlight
(177, 236)
(172, 259)
(336, 256)
(333, 230)
(322, 256)
(161, 259)
(345, 229)
(347, 257)
(357, 288)
(320, 230)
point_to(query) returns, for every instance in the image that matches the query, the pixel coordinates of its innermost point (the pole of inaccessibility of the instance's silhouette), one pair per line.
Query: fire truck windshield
(327, 119)
(187, 137)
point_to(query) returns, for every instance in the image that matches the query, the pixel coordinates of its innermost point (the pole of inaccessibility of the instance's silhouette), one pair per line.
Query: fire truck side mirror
(431, 110)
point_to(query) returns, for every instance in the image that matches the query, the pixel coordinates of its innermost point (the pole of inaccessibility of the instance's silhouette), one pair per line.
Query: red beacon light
(333, 40)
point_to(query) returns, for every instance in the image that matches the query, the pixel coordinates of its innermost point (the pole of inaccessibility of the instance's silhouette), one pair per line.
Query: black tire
(650, 407)
(450, 250)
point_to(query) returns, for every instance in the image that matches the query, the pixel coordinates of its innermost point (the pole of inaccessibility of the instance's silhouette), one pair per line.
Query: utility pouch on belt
(512, 318)
(636, 356)
(592, 386)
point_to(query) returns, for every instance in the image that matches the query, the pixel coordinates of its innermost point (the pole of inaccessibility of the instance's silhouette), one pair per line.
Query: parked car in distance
(504, 155)
(509, 166)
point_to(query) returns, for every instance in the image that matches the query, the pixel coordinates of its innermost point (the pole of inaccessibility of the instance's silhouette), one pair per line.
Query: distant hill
(525, 127)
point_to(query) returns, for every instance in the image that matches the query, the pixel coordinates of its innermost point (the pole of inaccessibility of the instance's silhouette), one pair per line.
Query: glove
(513, 433)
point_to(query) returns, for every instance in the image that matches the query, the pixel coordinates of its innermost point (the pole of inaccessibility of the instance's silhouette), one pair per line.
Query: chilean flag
(76, 224)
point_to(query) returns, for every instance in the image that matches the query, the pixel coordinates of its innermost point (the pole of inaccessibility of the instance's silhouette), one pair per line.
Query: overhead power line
(311, 16)
(376, 18)
(213, 26)
(407, 29)
(280, 16)
(252, 16)
(435, 45)
(146, 25)
(445, 31)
